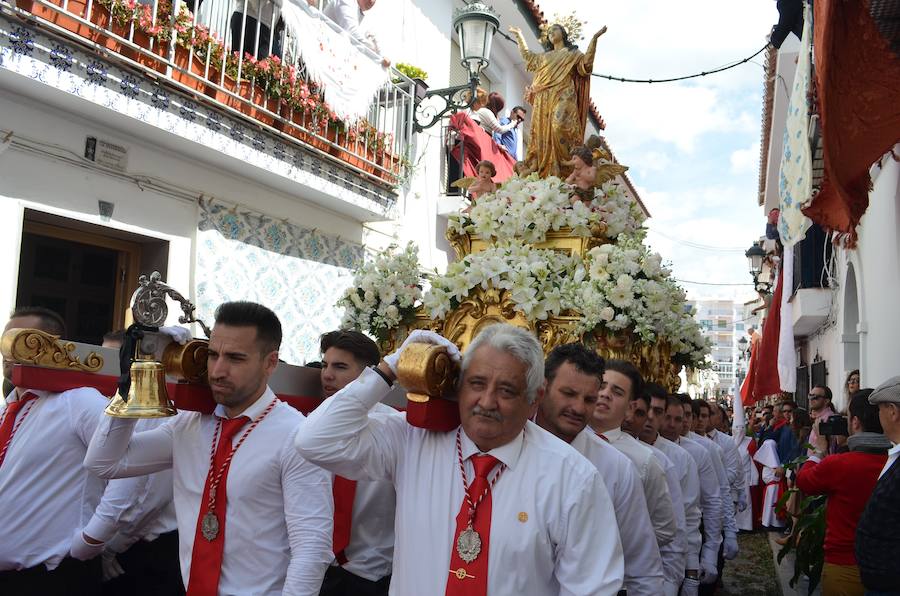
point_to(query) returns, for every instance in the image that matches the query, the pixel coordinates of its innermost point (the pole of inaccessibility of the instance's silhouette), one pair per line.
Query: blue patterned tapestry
(297, 272)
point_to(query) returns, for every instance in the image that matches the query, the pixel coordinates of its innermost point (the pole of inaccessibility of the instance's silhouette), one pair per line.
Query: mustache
(492, 414)
(571, 414)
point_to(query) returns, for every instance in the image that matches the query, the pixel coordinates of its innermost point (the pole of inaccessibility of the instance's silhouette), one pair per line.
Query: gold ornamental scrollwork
(38, 348)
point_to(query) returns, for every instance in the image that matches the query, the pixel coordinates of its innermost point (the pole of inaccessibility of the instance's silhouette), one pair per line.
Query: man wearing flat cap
(877, 536)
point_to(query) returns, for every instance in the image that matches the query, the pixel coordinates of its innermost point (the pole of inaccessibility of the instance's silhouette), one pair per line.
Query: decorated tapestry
(297, 272)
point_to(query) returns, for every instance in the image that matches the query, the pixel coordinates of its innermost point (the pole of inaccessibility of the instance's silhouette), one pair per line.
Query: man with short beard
(687, 477)
(363, 511)
(673, 554)
(270, 532)
(497, 505)
(621, 384)
(573, 375)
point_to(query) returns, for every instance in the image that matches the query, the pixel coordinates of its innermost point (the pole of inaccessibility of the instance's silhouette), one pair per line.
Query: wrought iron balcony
(232, 59)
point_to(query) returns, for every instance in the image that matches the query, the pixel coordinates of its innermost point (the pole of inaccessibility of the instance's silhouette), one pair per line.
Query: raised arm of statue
(586, 66)
(527, 54)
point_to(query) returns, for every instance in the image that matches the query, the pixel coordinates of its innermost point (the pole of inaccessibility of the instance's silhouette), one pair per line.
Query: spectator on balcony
(487, 108)
(510, 139)
(262, 16)
(348, 15)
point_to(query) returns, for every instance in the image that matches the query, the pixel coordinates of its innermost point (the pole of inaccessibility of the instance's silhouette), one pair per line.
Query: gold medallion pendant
(209, 526)
(468, 545)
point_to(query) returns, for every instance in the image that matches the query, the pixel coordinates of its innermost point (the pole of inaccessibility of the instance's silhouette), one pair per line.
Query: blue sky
(692, 147)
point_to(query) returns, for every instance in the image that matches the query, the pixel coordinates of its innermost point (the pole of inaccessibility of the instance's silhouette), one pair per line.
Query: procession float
(558, 250)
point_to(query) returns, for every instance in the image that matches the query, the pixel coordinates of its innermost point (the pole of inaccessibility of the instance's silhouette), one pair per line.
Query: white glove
(109, 566)
(708, 575)
(421, 336)
(82, 550)
(690, 587)
(742, 502)
(180, 335)
(731, 546)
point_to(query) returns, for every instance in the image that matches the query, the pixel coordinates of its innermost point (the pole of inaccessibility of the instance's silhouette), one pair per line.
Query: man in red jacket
(847, 479)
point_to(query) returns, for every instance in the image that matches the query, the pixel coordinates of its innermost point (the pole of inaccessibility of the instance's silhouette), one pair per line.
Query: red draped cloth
(858, 86)
(479, 145)
(747, 396)
(766, 379)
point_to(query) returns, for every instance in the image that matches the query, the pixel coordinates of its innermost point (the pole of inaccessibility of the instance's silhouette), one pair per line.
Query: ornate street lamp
(755, 257)
(475, 25)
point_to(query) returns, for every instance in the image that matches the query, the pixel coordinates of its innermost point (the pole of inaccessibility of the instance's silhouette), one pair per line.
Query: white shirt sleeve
(643, 565)
(728, 523)
(659, 502)
(340, 436)
(489, 122)
(309, 515)
(120, 507)
(345, 14)
(584, 532)
(733, 462)
(711, 505)
(115, 452)
(690, 490)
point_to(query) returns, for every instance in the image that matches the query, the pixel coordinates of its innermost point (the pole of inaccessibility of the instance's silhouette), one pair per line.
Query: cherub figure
(592, 167)
(484, 183)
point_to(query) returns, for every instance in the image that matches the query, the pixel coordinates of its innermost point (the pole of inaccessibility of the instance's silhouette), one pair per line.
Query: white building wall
(875, 263)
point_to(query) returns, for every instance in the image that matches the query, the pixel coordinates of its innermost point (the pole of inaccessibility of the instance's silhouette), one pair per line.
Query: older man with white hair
(536, 518)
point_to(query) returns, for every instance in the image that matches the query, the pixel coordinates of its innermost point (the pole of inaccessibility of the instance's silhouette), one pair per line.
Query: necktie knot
(230, 427)
(483, 465)
(13, 407)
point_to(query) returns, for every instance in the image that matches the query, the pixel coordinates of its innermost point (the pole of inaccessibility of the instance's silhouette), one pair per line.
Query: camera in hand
(835, 426)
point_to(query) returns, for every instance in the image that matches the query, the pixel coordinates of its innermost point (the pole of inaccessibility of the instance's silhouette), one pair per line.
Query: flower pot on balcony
(188, 71)
(420, 89)
(155, 57)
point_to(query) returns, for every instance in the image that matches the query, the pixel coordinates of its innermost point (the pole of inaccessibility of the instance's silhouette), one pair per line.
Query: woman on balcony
(487, 109)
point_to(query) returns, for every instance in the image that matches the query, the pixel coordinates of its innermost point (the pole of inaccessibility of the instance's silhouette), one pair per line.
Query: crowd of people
(567, 475)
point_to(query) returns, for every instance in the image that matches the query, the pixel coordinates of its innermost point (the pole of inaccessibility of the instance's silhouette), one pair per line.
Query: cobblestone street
(752, 573)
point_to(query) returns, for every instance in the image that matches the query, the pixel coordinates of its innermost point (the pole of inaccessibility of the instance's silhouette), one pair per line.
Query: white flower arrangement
(541, 282)
(525, 209)
(385, 292)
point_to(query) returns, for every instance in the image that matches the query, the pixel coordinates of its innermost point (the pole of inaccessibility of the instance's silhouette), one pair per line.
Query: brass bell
(147, 396)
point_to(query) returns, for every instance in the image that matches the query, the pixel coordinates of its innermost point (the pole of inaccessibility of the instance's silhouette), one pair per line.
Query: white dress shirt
(710, 502)
(150, 508)
(733, 468)
(689, 482)
(673, 554)
(643, 564)
(744, 519)
(279, 511)
(370, 553)
(553, 528)
(46, 497)
(718, 460)
(893, 453)
(653, 477)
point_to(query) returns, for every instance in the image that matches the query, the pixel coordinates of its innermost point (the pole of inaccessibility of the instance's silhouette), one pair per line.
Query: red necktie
(344, 492)
(470, 579)
(206, 556)
(9, 421)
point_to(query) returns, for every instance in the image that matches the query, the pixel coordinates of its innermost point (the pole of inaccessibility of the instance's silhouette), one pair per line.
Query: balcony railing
(234, 60)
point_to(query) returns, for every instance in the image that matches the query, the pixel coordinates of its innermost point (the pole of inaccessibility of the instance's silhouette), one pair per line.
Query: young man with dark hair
(510, 139)
(573, 375)
(278, 505)
(364, 511)
(734, 471)
(48, 546)
(693, 498)
(847, 479)
(621, 384)
(674, 554)
(711, 564)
